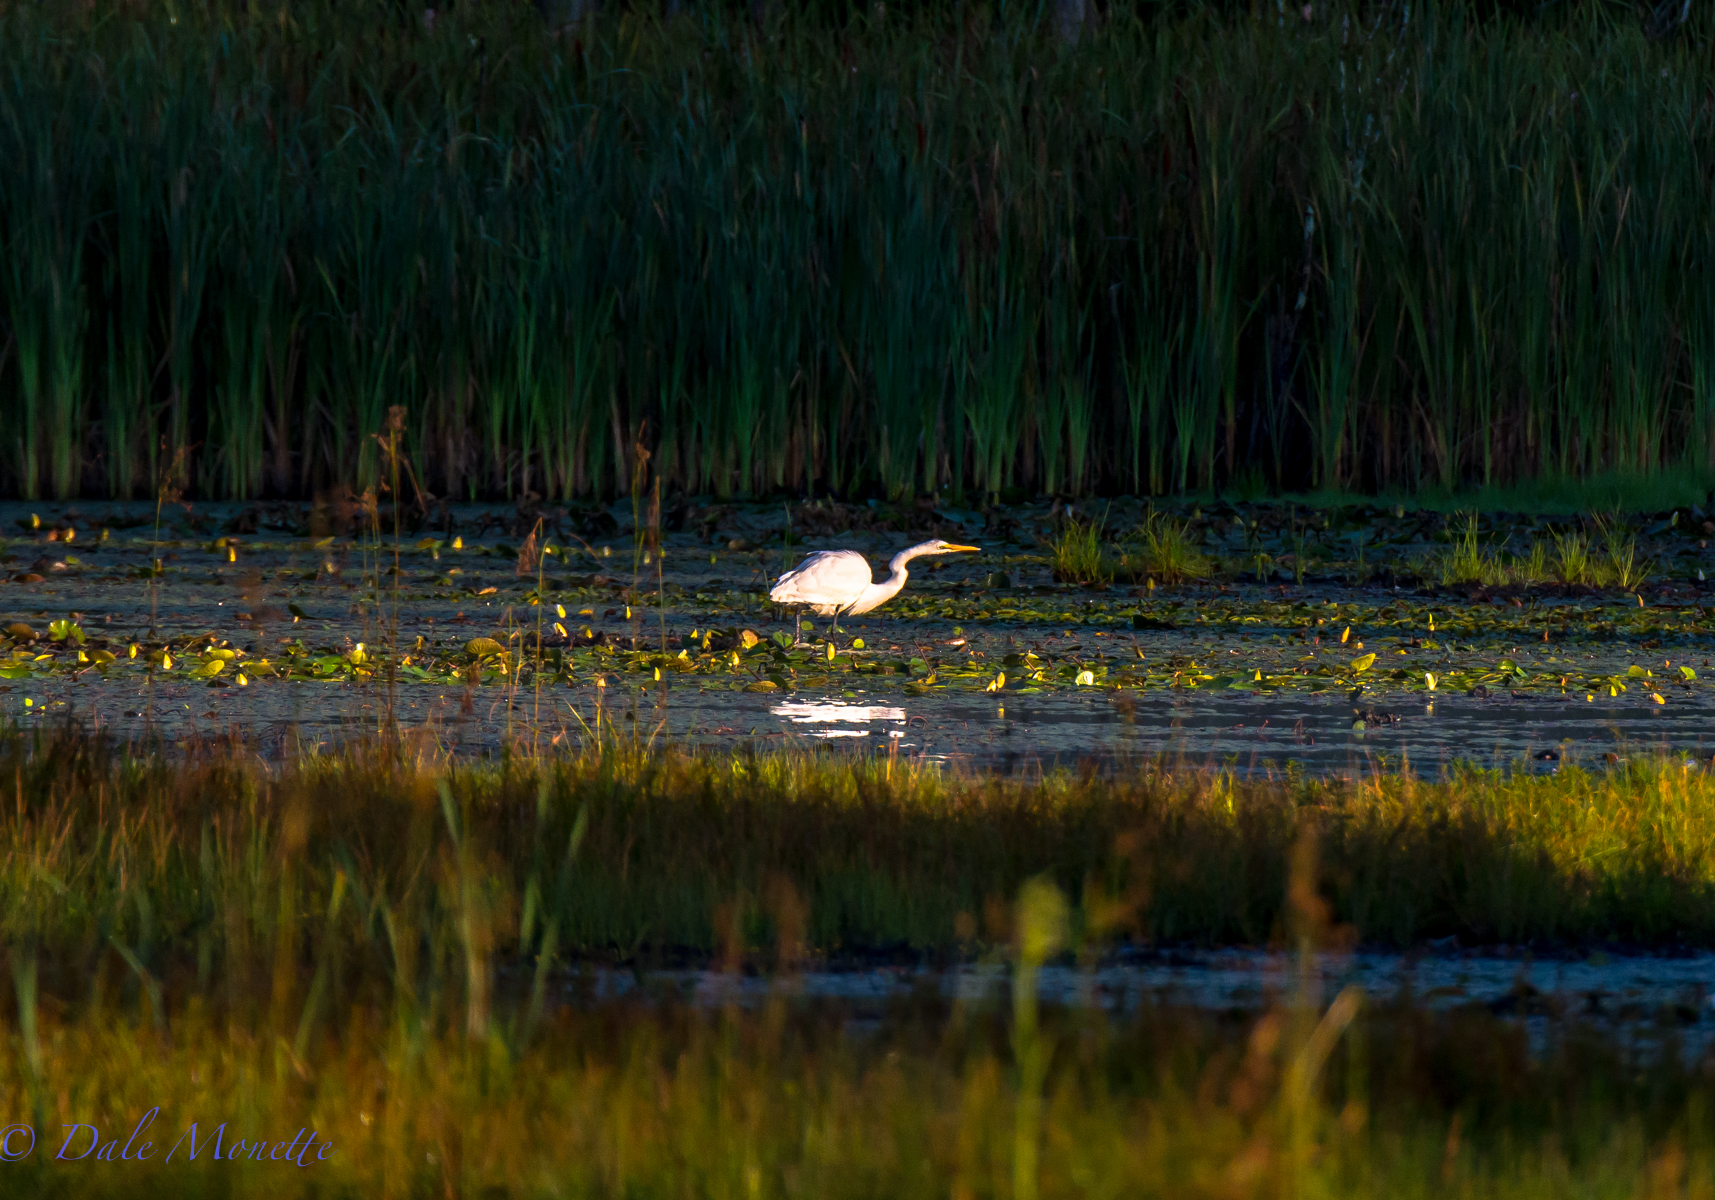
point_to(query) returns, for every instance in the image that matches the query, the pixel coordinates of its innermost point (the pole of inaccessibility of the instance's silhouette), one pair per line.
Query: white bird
(838, 583)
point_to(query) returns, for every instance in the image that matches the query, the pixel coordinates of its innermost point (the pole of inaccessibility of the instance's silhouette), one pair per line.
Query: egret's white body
(838, 583)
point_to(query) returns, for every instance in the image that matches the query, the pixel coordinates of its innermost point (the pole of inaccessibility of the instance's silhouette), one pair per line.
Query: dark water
(243, 595)
(1648, 1000)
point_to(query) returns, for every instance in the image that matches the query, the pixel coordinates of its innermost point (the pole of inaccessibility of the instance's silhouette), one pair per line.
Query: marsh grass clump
(1573, 561)
(1609, 558)
(1468, 560)
(1621, 564)
(1163, 549)
(1079, 554)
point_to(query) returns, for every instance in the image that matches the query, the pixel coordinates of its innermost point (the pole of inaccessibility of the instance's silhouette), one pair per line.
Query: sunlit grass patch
(1079, 554)
(1163, 549)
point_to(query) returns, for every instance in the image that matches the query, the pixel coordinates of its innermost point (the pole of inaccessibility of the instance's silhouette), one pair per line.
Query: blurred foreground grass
(366, 945)
(644, 1102)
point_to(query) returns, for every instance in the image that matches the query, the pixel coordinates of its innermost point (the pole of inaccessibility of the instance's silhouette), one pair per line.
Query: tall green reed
(972, 258)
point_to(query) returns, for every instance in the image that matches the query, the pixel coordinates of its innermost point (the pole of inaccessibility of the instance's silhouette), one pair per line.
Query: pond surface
(286, 625)
(1644, 998)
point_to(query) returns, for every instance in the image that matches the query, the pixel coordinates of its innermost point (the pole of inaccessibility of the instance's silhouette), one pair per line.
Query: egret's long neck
(897, 572)
(887, 589)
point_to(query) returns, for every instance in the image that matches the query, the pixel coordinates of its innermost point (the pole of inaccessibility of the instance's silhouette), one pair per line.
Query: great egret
(837, 583)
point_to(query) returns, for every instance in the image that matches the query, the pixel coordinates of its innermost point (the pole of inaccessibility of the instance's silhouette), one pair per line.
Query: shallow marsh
(314, 624)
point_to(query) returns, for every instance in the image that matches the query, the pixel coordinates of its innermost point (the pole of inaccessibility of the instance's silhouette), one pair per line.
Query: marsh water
(1239, 674)
(674, 642)
(1653, 1001)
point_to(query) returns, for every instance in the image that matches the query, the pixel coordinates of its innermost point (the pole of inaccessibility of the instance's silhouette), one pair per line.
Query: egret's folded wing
(825, 577)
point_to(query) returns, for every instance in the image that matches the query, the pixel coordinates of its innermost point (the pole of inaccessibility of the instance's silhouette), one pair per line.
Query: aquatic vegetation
(235, 241)
(1163, 549)
(1465, 561)
(396, 943)
(553, 634)
(1080, 555)
(1573, 562)
(1621, 565)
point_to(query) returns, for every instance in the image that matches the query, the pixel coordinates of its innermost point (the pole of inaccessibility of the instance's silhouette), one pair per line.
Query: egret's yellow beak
(950, 549)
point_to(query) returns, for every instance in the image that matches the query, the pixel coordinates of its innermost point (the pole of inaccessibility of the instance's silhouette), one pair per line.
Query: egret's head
(937, 546)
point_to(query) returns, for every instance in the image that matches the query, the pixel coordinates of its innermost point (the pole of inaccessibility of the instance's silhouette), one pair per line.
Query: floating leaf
(747, 638)
(1084, 678)
(1636, 672)
(15, 671)
(65, 631)
(1363, 663)
(483, 647)
(209, 669)
(20, 632)
(1688, 674)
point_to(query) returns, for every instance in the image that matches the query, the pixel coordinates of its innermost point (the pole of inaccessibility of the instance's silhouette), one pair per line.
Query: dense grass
(360, 946)
(220, 867)
(623, 1101)
(1379, 248)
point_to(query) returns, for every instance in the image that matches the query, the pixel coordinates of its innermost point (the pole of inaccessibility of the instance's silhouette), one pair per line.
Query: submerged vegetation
(896, 253)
